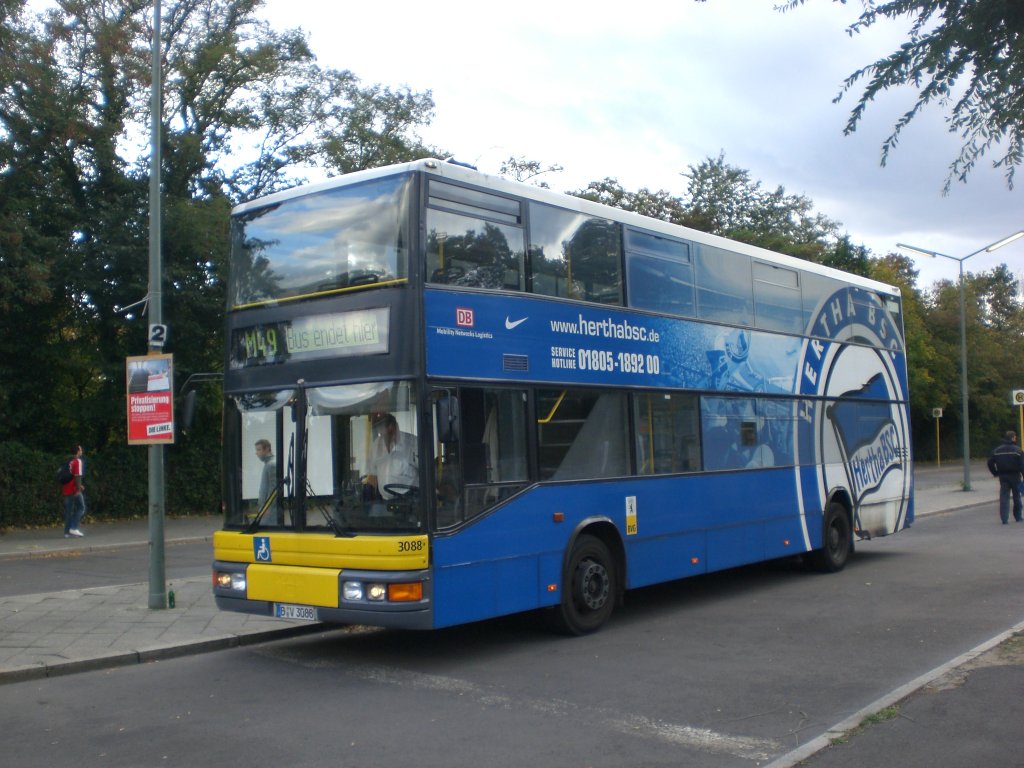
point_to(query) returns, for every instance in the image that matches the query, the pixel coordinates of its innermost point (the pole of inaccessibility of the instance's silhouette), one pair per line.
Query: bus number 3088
(411, 546)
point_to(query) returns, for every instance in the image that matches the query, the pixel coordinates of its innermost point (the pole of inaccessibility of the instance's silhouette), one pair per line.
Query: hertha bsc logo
(853, 431)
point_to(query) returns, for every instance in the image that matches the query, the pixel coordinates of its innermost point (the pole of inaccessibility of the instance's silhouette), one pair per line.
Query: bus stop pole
(157, 574)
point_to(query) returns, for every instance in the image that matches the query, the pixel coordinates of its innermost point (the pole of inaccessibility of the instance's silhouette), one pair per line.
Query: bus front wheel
(589, 587)
(837, 540)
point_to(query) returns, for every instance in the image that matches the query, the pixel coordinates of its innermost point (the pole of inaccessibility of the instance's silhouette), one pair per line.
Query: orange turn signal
(405, 593)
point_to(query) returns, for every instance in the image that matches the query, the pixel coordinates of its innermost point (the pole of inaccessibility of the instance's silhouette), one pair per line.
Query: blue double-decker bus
(450, 396)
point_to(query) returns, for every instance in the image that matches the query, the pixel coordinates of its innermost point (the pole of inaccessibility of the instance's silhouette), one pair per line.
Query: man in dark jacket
(1006, 463)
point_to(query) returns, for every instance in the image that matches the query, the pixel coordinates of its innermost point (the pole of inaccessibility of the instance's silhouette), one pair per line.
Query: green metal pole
(157, 572)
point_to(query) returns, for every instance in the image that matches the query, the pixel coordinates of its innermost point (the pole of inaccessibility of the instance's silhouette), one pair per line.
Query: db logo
(464, 317)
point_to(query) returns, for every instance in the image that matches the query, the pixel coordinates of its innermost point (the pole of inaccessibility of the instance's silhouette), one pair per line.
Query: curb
(812, 747)
(147, 655)
(946, 510)
(86, 548)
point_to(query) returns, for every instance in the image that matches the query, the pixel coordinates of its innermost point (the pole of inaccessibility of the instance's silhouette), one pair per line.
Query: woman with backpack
(73, 491)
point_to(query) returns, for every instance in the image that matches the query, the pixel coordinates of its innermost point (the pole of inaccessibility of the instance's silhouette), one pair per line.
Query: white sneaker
(76, 532)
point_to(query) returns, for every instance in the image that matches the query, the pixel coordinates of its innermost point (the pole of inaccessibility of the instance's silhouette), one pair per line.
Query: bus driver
(393, 459)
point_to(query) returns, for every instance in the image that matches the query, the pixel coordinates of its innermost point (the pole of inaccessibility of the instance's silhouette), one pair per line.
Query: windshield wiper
(345, 533)
(334, 524)
(271, 500)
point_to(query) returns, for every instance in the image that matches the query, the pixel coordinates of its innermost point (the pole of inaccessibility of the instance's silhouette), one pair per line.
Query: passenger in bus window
(268, 481)
(393, 460)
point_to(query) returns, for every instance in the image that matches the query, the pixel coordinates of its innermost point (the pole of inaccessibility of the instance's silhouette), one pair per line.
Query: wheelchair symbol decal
(261, 548)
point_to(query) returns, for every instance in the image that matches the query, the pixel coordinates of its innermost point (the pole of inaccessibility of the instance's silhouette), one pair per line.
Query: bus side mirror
(188, 409)
(447, 418)
(190, 393)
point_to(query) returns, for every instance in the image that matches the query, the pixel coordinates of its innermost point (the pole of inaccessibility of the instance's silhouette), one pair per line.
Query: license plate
(299, 612)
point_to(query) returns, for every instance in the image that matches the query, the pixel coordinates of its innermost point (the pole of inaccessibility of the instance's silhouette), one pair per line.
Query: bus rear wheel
(837, 540)
(589, 587)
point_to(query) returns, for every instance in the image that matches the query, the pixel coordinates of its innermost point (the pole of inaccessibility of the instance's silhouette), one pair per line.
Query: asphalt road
(732, 669)
(78, 570)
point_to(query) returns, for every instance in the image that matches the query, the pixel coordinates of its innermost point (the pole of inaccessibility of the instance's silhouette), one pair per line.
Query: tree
(246, 111)
(995, 345)
(521, 169)
(967, 55)
(1001, 308)
(249, 111)
(723, 200)
(378, 127)
(848, 257)
(928, 371)
(47, 151)
(658, 205)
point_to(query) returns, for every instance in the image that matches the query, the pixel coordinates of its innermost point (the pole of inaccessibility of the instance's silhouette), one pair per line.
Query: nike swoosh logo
(510, 324)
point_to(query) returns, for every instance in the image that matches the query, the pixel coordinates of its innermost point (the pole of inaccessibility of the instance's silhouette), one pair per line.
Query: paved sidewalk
(57, 633)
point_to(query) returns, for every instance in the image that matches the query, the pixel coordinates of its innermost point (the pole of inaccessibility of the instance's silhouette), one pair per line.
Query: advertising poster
(831, 402)
(150, 383)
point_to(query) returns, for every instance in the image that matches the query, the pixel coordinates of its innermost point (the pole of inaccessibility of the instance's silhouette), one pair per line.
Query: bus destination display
(361, 332)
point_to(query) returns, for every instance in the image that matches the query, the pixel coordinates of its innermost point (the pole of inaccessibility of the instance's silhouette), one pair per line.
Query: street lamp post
(963, 337)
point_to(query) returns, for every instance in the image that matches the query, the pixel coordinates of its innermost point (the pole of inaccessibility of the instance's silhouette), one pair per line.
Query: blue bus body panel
(511, 559)
(842, 432)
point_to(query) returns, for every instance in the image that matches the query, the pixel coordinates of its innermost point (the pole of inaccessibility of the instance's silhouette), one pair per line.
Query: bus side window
(667, 433)
(777, 300)
(725, 287)
(744, 432)
(660, 274)
(581, 434)
(575, 256)
(473, 252)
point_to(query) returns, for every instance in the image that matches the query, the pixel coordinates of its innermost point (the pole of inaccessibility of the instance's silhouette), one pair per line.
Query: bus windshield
(337, 240)
(352, 469)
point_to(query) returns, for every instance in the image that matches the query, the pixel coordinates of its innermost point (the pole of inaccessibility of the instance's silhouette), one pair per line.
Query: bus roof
(469, 175)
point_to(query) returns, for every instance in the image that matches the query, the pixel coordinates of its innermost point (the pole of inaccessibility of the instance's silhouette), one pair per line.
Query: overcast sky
(641, 90)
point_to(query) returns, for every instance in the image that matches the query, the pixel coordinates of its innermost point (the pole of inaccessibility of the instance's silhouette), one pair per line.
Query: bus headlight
(376, 592)
(229, 580)
(352, 590)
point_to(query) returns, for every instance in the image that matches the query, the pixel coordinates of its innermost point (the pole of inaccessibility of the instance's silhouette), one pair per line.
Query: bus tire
(589, 587)
(837, 540)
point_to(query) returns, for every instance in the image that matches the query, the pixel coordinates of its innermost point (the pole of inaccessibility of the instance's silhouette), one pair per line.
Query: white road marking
(746, 747)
